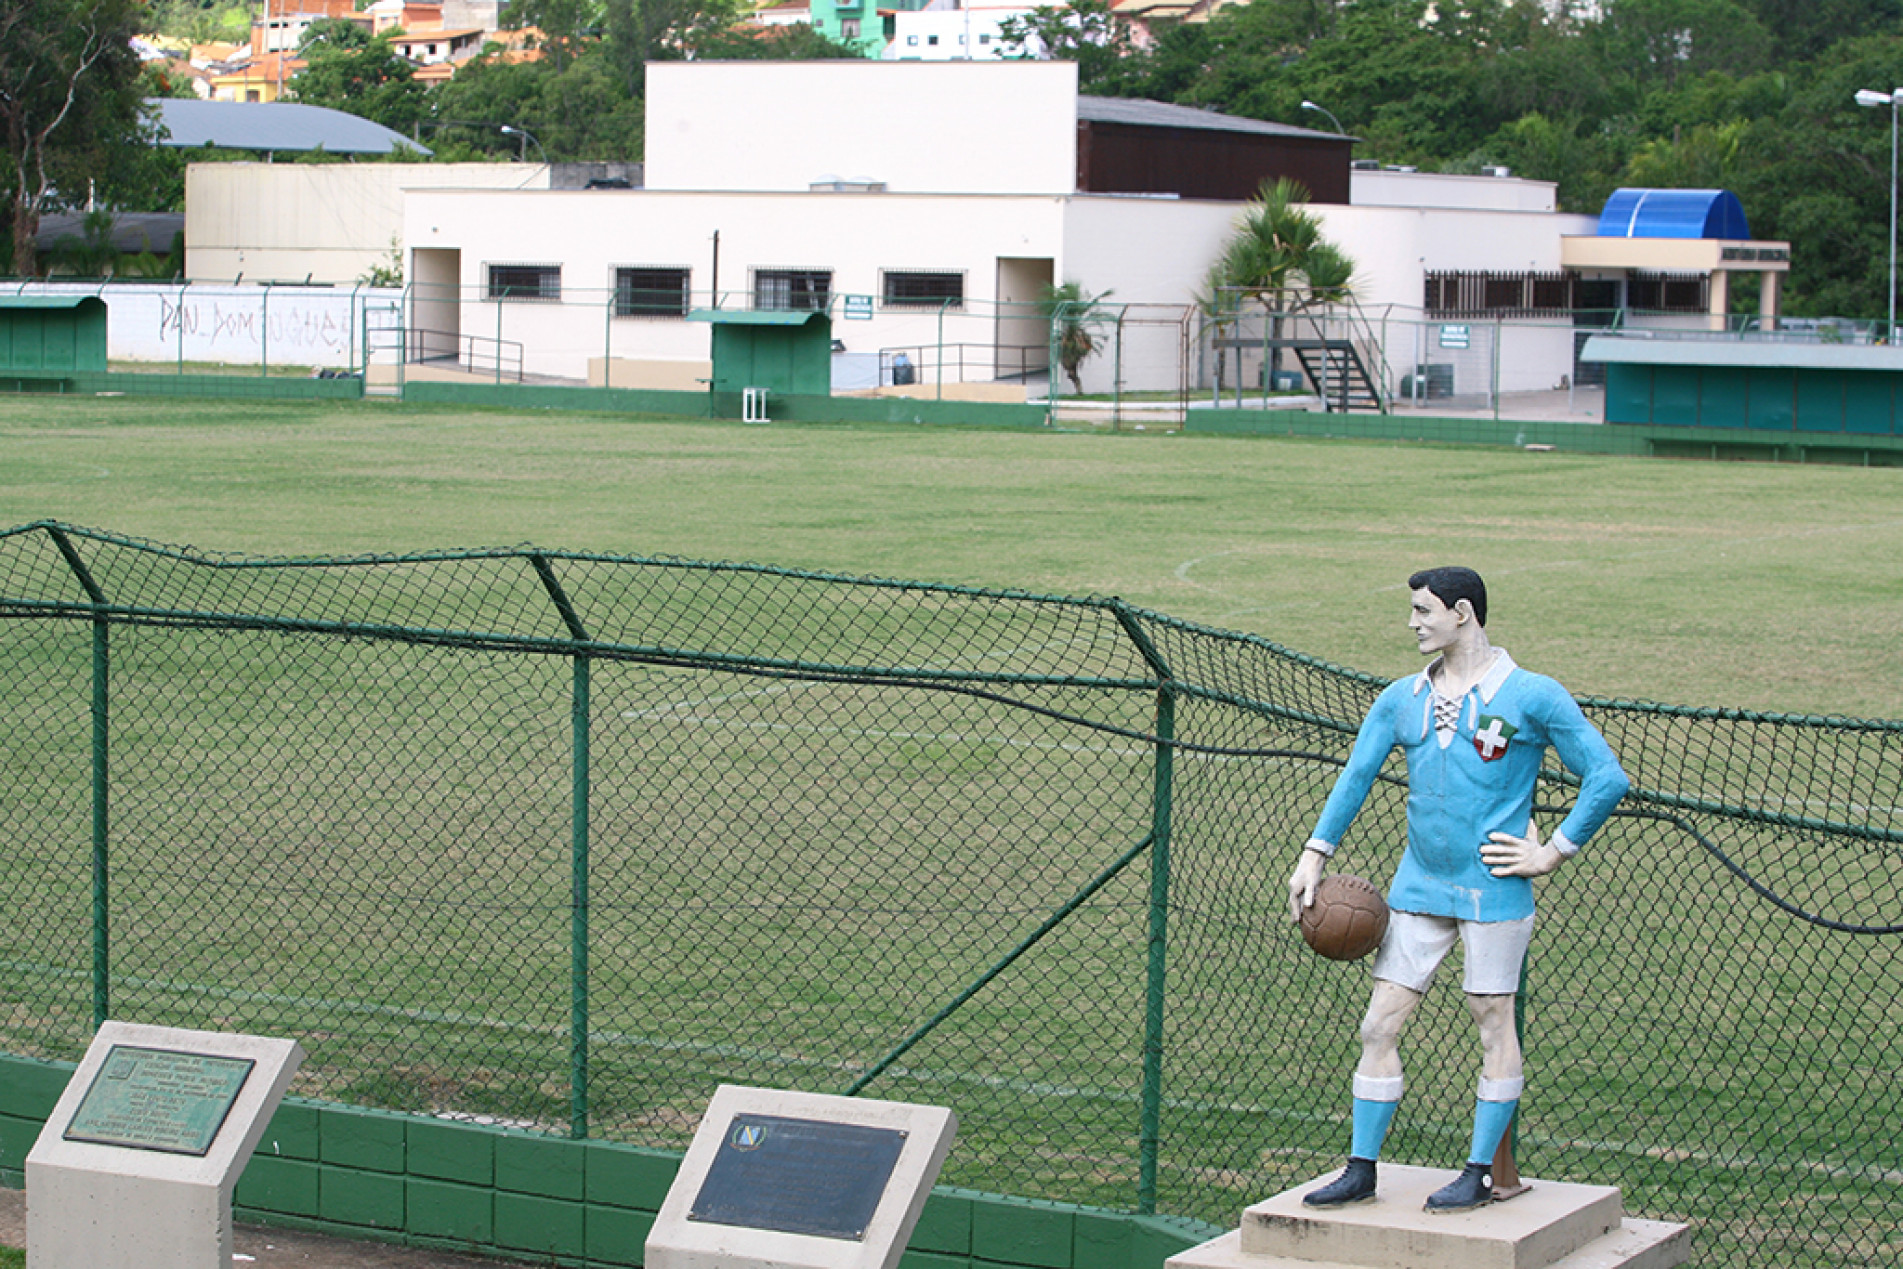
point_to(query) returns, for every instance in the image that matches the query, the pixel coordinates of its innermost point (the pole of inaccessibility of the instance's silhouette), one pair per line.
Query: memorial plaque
(159, 1099)
(798, 1176)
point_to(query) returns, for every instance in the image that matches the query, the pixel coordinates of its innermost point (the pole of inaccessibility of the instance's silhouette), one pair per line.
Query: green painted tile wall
(408, 1179)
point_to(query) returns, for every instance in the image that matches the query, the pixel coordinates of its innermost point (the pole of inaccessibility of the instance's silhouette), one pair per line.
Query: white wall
(920, 127)
(1394, 248)
(286, 222)
(1159, 250)
(591, 233)
(1434, 189)
(1140, 250)
(234, 325)
(1143, 248)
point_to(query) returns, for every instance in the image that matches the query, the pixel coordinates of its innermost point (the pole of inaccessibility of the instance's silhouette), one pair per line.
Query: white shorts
(1415, 946)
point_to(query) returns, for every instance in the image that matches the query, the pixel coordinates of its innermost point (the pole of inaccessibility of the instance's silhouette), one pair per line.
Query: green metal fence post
(1149, 1142)
(578, 854)
(101, 804)
(578, 932)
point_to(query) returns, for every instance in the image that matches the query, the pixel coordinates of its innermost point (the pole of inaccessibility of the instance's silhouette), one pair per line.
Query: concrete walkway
(256, 1247)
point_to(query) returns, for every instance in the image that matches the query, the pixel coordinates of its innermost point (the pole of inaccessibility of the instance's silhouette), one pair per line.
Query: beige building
(320, 223)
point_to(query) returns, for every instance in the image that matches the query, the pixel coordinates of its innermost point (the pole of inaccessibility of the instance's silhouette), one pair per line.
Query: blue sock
(1371, 1127)
(1491, 1120)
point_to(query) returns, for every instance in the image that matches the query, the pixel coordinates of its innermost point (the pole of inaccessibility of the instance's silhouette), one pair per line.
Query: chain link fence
(562, 841)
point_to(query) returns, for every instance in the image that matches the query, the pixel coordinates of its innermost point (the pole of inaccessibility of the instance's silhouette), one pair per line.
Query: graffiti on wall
(240, 325)
(293, 328)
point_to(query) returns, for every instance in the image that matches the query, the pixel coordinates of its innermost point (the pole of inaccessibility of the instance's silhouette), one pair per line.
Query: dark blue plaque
(798, 1176)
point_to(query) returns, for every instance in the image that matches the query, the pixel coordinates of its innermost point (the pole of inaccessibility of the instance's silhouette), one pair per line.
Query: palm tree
(1278, 250)
(1076, 318)
(1278, 255)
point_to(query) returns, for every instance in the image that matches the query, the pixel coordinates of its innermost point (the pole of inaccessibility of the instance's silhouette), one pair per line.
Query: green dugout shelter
(51, 336)
(784, 352)
(1767, 387)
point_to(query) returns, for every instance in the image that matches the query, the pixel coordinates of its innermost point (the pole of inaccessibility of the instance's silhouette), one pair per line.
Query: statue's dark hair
(1452, 584)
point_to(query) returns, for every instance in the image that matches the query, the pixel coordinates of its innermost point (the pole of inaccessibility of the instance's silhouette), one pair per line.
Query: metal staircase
(1339, 352)
(1339, 374)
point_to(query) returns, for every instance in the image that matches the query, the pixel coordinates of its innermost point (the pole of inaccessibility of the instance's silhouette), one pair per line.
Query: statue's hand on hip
(1508, 856)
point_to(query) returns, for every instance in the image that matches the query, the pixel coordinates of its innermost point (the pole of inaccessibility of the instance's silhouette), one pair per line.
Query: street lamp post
(1871, 98)
(1309, 105)
(510, 130)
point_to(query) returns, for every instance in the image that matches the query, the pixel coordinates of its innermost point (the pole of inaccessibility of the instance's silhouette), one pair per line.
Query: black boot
(1472, 1188)
(1354, 1185)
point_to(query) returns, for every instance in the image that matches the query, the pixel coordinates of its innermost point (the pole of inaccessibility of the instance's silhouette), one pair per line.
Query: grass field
(789, 875)
(1749, 585)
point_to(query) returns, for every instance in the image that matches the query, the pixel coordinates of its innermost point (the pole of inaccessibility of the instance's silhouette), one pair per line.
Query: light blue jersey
(1480, 782)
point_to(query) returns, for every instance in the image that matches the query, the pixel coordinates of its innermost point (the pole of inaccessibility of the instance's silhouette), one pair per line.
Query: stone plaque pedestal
(1553, 1225)
(785, 1180)
(135, 1167)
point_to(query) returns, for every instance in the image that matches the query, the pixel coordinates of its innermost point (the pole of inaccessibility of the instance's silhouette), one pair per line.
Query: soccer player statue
(1474, 728)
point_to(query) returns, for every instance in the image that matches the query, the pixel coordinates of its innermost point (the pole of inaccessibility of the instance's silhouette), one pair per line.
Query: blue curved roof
(1673, 213)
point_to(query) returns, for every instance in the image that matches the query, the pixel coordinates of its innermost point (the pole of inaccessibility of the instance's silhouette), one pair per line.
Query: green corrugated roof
(46, 301)
(754, 316)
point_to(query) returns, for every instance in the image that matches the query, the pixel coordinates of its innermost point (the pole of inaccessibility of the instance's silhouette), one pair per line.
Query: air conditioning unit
(1496, 171)
(1366, 165)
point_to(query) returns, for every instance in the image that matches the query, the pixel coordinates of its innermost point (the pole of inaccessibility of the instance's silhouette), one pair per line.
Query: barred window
(1668, 292)
(1500, 294)
(525, 281)
(651, 292)
(801, 289)
(1505, 294)
(923, 290)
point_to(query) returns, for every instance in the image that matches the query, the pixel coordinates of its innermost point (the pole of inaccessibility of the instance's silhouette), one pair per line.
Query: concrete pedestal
(94, 1204)
(1555, 1225)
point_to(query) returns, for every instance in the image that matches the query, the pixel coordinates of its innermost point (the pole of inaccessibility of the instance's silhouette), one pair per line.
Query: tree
(1076, 319)
(1664, 41)
(1087, 32)
(1805, 28)
(566, 26)
(1278, 255)
(70, 98)
(793, 42)
(348, 69)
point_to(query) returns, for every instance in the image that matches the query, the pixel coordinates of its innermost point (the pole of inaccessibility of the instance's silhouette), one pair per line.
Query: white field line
(1036, 1088)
